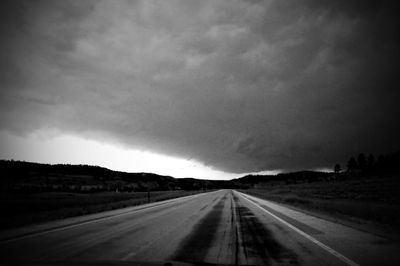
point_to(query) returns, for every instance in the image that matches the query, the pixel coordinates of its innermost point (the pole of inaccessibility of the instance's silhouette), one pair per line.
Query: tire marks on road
(195, 246)
(251, 242)
(258, 241)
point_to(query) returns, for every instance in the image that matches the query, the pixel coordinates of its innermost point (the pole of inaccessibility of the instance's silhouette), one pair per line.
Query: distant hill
(27, 176)
(285, 178)
(33, 177)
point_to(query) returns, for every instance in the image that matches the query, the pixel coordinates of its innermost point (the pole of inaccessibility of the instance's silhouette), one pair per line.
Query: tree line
(371, 165)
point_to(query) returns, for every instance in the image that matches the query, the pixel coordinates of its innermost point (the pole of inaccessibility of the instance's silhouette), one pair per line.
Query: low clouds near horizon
(242, 86)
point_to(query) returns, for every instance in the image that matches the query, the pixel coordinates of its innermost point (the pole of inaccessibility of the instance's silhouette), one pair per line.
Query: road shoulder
(382, 230)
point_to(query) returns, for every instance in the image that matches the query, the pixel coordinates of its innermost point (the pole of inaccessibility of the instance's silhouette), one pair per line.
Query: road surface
(221, 227)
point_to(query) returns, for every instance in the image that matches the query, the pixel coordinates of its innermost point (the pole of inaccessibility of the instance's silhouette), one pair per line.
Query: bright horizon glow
(52, 148)
(271, 172)
(322, 169)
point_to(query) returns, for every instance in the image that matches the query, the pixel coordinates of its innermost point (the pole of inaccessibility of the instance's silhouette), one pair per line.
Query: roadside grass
(25, 209)
(370, 199)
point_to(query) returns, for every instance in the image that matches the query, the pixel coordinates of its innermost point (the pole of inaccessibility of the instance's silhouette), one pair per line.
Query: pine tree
(351, 164)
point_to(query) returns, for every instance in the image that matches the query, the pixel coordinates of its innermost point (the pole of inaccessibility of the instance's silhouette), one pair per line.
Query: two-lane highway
(222, 227)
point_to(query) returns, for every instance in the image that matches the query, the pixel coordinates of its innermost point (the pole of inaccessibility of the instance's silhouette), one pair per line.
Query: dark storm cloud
(239, 85)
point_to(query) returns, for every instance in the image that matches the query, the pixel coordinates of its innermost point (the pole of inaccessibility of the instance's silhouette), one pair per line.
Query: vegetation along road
(220, 227)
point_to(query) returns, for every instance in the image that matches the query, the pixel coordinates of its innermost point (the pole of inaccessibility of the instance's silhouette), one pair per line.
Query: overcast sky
(228, 86)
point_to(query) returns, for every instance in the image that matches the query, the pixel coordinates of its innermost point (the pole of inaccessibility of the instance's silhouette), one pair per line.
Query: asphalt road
(222, 227)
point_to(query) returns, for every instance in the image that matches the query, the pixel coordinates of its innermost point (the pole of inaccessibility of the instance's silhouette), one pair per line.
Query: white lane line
(312, 239)
(34, 234)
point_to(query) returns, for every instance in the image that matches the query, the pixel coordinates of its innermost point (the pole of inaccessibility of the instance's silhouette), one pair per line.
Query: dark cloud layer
(239, 85)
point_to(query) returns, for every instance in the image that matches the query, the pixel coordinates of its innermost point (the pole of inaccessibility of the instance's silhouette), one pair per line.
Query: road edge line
(312, 239)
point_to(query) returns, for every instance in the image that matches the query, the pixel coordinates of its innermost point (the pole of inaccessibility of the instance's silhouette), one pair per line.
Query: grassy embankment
(24, 209)
(375, 200)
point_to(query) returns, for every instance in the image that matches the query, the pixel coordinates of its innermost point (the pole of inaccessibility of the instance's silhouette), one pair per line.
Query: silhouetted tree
(361, 161)
(371, 163)
(337, 168)
(380, 163)
(371, 160)
(351, 164)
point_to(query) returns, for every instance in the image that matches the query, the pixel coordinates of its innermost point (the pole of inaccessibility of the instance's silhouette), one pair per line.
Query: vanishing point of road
(221, 227)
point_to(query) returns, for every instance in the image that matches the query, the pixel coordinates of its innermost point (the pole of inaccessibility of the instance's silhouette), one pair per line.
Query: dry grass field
(23, 209)
(371, 199)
